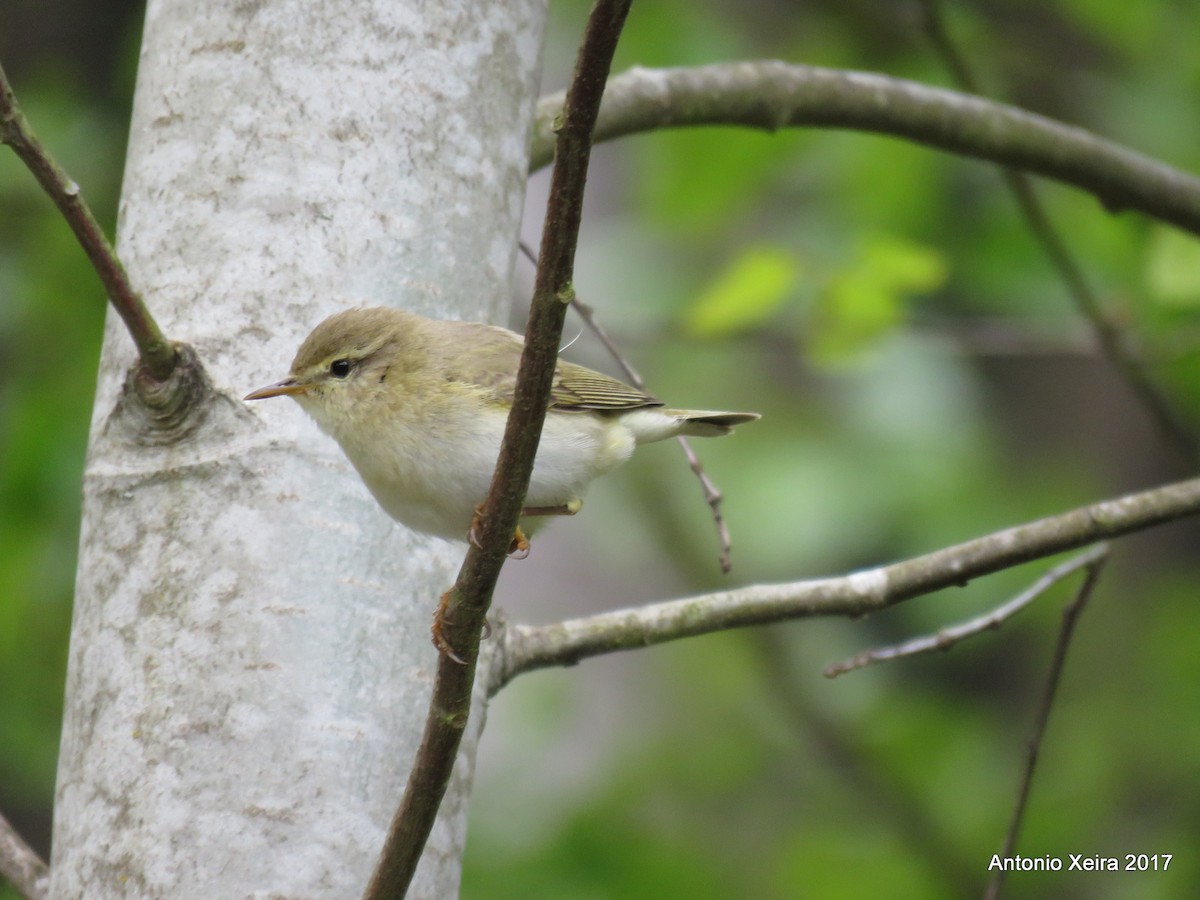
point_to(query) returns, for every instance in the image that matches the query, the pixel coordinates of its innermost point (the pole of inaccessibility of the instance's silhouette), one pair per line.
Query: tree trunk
(250, 657)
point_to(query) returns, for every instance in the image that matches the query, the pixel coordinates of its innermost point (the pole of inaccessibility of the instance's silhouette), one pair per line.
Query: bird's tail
(657, 423)
(706, 423)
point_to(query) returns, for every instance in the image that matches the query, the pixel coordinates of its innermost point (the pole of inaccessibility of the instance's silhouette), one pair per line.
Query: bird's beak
(287, 387)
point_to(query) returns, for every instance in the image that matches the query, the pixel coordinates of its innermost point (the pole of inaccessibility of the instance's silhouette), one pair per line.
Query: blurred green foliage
(924, 379)
(745, 295)
(51, 316)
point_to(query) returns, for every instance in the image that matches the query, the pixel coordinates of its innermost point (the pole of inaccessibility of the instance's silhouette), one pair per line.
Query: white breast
(434, 483)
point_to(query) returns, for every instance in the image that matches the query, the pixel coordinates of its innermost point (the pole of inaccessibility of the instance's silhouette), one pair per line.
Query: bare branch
(157, 354)
(467, 602)
(21, 865)
(713, 497)
(1070, 616)
(524, 648)
(1109, 335)
(771, 95)
(946, 638)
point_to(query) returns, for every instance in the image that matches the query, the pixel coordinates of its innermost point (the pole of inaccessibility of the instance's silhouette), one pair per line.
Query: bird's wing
(578, 388)
(494, 367)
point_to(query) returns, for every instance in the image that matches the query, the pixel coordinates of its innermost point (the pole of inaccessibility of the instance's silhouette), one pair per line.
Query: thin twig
(525, 648)
(713, 497)
(1109, 335)
(1070, 616)
(712, 494)
(589, 317)
(21, 865)
(157, 354)
(467, 602)
(771, 95)
(945, 638)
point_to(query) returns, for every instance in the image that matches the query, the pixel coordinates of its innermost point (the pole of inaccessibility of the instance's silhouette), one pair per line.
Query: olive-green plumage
(419, 406)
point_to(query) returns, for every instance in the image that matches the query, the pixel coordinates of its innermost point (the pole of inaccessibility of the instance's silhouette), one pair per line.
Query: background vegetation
(924, 378)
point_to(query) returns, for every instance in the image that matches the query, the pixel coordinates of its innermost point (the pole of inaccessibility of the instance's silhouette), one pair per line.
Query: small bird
(420, 405)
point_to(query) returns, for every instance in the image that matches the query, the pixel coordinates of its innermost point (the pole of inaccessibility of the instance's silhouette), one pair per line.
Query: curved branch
(771, 95)
(1109, 335)
(21, 865)
(945, 638)
(158, 355)
(524, 648)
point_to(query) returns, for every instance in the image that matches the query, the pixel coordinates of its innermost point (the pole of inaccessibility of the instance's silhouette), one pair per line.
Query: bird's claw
(439, 637)
(518, 547)
(473, 531)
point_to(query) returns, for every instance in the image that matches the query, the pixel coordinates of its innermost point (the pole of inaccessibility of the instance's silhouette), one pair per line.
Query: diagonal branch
(467, 602)
(771, 95)
(21, 865)
(158, 355)
(1033, 748)
(524, 648)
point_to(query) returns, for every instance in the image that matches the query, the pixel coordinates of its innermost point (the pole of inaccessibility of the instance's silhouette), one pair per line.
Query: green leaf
(902, 265)
(1173, 268)
(866, 301)
(745, 295)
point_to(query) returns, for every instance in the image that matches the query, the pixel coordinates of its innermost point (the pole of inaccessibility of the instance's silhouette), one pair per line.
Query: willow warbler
(419, 406)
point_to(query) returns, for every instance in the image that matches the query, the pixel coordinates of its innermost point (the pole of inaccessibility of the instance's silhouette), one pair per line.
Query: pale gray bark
(250, 656)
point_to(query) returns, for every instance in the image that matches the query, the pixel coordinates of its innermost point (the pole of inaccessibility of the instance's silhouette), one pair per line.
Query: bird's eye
(339, 368)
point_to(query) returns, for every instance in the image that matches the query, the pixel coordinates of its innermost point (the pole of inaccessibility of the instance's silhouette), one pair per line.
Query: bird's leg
(519, 548)
(563, 509)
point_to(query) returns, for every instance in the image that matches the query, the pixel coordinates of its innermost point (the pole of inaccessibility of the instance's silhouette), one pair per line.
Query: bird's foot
(518, 547)
(438, 631)
(473, 531)
(439, 634)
